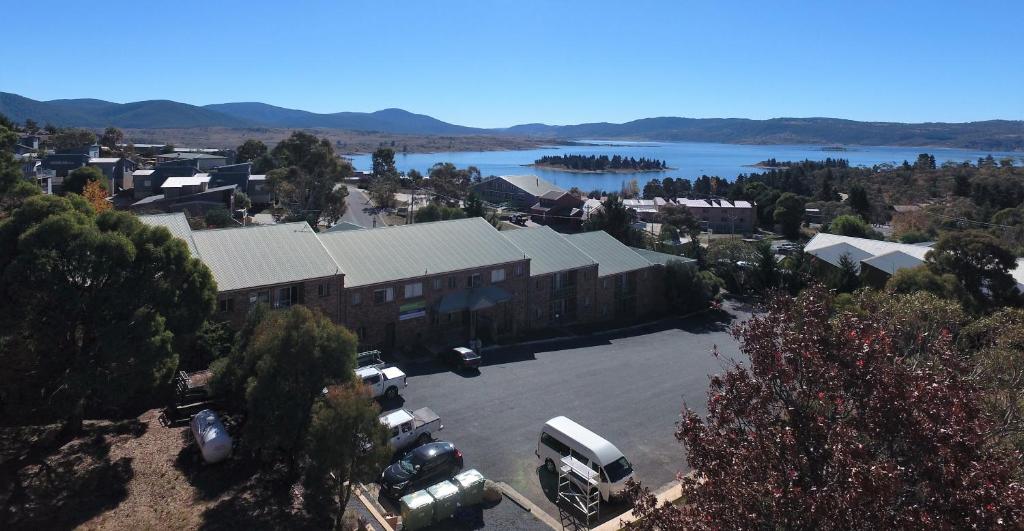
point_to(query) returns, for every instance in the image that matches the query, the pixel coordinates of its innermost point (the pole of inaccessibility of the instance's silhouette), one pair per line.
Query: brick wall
(378, 322)
(321, 293)
(539, 298)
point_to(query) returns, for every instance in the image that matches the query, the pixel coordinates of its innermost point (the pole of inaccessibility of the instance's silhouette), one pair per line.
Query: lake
(690, 159)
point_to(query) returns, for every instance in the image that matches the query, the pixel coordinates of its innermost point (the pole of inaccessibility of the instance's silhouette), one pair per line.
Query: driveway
(627, 387)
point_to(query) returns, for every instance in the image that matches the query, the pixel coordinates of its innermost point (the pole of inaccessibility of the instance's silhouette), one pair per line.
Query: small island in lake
(599, 164)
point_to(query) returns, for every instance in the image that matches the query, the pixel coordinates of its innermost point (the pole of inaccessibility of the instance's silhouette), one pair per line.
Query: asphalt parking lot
(628, 387)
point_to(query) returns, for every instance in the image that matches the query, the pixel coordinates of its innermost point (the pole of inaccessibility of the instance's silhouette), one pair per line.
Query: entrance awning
(473, 299)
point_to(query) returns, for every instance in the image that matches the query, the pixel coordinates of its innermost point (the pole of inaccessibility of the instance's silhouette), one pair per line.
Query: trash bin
(417, 510)
(446, 499)
(471, 486)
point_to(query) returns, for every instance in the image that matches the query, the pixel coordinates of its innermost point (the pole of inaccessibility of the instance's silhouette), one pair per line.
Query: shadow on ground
(572, 517)
(45, 484)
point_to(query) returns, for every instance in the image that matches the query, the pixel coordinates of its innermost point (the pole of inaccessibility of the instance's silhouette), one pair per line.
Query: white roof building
(178, 182)
(887, 257)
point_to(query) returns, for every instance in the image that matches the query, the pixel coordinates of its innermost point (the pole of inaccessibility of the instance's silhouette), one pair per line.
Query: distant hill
(992, 135)
(388, 120)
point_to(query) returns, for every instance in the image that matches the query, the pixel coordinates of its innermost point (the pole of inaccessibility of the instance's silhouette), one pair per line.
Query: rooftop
(548, 250)
(611, 255)
(530, 184)
(871, 247)
(180, 155)
(177, 224)
(406, 251)
(657, 258)
(104, 160)
(178, 182)
(264, 255)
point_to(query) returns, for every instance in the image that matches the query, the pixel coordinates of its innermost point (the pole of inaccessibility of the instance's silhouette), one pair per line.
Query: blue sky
(495, 64)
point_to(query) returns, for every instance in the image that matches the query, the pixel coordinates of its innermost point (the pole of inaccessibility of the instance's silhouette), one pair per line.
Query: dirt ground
(140, 474)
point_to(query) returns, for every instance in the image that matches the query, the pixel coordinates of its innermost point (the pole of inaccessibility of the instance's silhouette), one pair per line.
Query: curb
(522, 501)
(372, 509)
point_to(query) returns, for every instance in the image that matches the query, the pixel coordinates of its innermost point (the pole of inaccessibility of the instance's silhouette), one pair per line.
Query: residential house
(147, 185)
(518, 191)
(442, 282)
(558, 208)
(115, 169)
(203, 161)
(55, 168)
(563, 279)
(258, 190)
(874, 260)
(184, 195)
(721, 216)
(646, 209)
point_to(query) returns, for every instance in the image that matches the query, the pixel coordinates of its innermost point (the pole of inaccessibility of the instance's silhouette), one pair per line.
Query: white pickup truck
(382, 382)
(409, 428)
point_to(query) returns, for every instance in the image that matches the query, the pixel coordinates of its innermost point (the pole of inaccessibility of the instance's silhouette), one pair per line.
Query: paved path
(360, 209)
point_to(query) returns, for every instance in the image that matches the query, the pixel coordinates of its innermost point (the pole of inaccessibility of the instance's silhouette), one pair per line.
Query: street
(360, 210)
(628, 387)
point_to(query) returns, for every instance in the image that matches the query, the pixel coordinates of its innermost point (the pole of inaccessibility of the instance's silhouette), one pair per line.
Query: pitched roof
(657, 258)
(611, 255)
(264, 255)
(548, 250)
(104, 160)
(892, 262)
(189, 155)
(178, 182)
(344, 225)
(872, 247)
(834, 253)
(177, 224)
(530, 184)
(406, 251)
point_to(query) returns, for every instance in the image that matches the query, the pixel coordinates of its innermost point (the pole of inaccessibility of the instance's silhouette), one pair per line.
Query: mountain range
(993, 135)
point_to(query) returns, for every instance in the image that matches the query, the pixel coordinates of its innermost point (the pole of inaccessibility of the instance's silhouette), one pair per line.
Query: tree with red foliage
(838, 423)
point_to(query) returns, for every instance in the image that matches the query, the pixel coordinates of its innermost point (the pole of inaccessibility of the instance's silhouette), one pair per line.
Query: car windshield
(408, 464)
(618, 470)
(468, 355)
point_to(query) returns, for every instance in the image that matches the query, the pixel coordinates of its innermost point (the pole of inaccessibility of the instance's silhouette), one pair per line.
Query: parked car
(461, 357)
(426, 465)
(408, 427)
(383, 382)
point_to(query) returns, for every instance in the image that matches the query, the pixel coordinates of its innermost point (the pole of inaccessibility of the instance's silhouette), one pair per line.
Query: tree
(77, 179)
(678, 221)
(31, 127)
(688, 289)
(309, 179)
(217, 218)
(241, 201)
(384, 164)
(72, 139)
(859, 202)
(921, 278)
(382, 192)
(474, 206)
(789, 213)
(767, 275)
(104, 302)
(346, 444)
(250, 151)
(853, 226)
(449, 183)
(287, 359)
(846, 276)
(112, 138)
(438, 212)
(980, 263)
(996, 344)
(96, 195)
(731, 260)
(831, 425)
(615, 219)
(653, 188)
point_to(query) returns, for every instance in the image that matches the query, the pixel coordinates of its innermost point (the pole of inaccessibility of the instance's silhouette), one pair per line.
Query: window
(438, 284)
(260, 297)
(380, 296)
(554, 444)
(473, 280)
(586, 302)
(286, 296)
(604, 283)
(323, 290)
(361, 333)
(372, 379)
(414, 290)
(452, 282)
(357, 299)
(537, 284)
(539, 313)
(497, 275)
(518, 270)
(226, 305)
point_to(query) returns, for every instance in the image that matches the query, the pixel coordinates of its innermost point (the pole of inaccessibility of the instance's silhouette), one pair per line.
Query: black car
(426, 465)
(461, 358)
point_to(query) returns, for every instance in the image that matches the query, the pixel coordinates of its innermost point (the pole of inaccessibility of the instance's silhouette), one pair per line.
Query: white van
(562, 437)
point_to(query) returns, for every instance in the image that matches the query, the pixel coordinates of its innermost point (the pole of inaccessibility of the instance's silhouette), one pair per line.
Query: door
(389, 336)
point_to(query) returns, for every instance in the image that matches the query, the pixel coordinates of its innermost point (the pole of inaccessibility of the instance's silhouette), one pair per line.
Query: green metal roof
(396, 253)
(548, 250)
(264, 255)
(657, 258)
(177, 224)
(611, 255)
